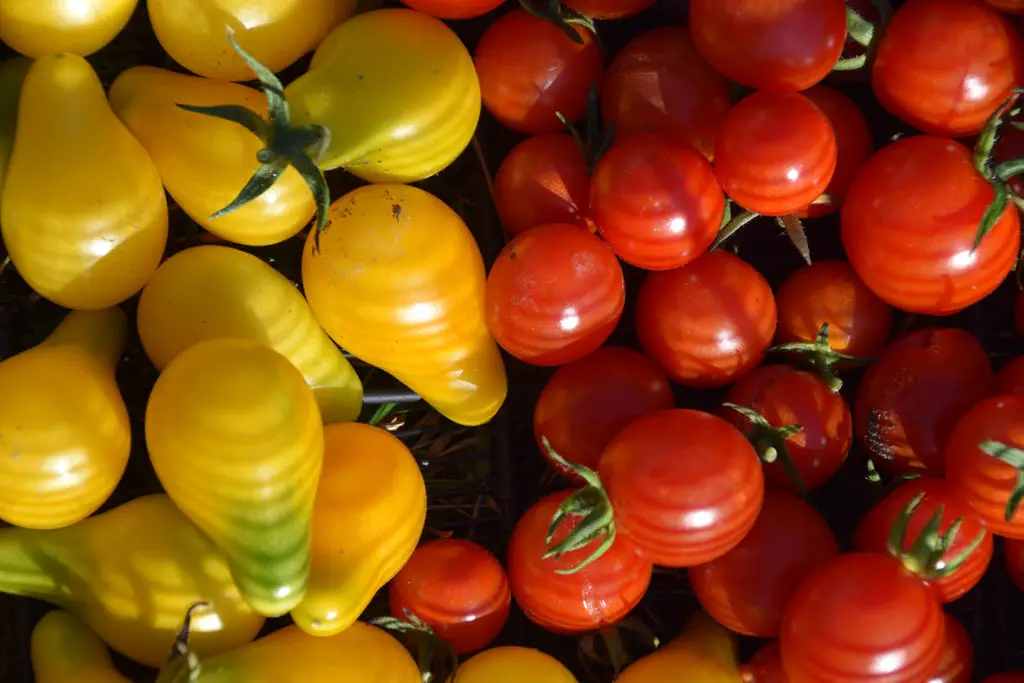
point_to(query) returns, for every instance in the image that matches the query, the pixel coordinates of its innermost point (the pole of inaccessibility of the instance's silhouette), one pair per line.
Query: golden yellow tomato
(705, 650)
(65, 650)
(513, 665)
(41, 27)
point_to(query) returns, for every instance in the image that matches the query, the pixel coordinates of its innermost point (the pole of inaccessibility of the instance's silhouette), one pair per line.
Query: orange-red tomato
(957, 663)
(454, 9)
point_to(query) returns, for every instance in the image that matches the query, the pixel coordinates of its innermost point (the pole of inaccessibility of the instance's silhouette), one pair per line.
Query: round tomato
(944, 66)
(781, 46)
(765, 666)
(456, 588)
(656, 202)
(454, 9)
(587, 402)
(512, 665)
(554, 294)
(81, 28)
(783, 396)
(1013, 549)
(775, 153)
(873, 531)
(748, 588)
(608, 9)
(659, 83)
(957, 663)
(530, 70)
(1010, 380)
(544, 179)
(708, 323)
(909, 400)
(599, 594)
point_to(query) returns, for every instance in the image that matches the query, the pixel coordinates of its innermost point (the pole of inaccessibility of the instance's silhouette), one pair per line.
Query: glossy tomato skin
(912, 396)
(1010, 380)
(1009, 6)
(657, 203)
(510, 664)
(457, 588)
(873, 531)
(748, 588)
(859, 323)
(529, 70)
(554, 294)
(543, 179)
(857, 616)
(785, 46)
(586, 403)
(957, 663)
(785, 396)
(909, 222)
(765, 666)
(1013, 550)
(454, 9)
(609, 9)
(775, 153)
(659, 83)
(944, 66)
(82, 28)
(686, 486)
(708, 323)
(597, 595)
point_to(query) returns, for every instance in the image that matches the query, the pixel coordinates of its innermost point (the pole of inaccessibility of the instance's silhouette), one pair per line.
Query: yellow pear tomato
(513, 665)
(65, 650)
(41, 27)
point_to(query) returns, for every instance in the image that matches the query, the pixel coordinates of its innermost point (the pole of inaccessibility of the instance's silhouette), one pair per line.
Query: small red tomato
(456, 588)
(1013, 550)
(765, 666)
(608, 9)
(1010, 380)
(873, 531)
(859, 323)
(454, 9)
(775, 153)
(659, 83)
(708, 323)
(983, 480)
(910, 399)
(944, 66)
(957, 663)
(587, 402)
(782, 46)
(529, 70)
(657, 203)
(554, 294)
(785, 396)
(748, 588)
(544, 179)
(599, 594)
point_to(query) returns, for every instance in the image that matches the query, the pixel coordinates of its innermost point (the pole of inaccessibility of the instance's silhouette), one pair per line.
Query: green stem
(1009, 169)
(794, 228)
(858, 28)
(730, 228)
(21, 572)
(851, 63)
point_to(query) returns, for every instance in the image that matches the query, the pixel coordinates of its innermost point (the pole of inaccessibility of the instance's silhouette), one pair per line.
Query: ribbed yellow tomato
(512, 665)
(83, 212)
(399, 282)
(12, 74)
(47, 27)
(65, 650)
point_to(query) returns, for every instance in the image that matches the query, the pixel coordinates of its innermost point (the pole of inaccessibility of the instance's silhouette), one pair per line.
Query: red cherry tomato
(782, 46)
(944, 66)
(554, 294)
(862, 617)
(708, 323)
(982, 480)
(529, 70)
(587, 402)
(1010, 380)
(659, 83)
(457, 588)
(957, 663)
(608, 9)
(454, 9)
(775, 153)
(784, 395)
(873, 531)
(910, 399)
(597, 595)
(748, 588)
(1013, 550)
(544, 179)
(656, 202)
(909, 223)
(859, 323)
(765, 666)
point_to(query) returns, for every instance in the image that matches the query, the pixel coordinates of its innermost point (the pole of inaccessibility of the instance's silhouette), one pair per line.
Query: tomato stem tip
(924, 557)
(770, 442)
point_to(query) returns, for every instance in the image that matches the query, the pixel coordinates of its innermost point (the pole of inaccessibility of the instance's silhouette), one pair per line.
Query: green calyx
(819, 357)
(596, 143)
(924, 557)
(997, 175)
(770, 442)
(436, 659)
(562, 17)
(865, 34)
(182, 665)
(1014, 457)
(791, 224)
(284, 144)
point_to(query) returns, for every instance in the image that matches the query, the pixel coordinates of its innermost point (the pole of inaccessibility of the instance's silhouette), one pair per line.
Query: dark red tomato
(957, 663)
(453, 9)
(859, 323)
(910, 399)
(1011, 6)
(1010, 380)
(529, 70)
(873, 531)
(909, 222)
(685, 485)
(775, 153)
(944, 66)
(748, 588)
(656, 202)
(982, 480)
(784, 395)
(862, 617)
(708, 323)
(1013, 550)
(659, 83)
(597, 595)
(587, 402)
(765, 666)
(608, 9)
(455, 587)
(854, 145)
(554, 294)
(786, 45)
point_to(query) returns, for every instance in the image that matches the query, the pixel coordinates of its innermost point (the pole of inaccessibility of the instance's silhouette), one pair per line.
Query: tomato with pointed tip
(1013, 551)
(1010, 380)
(957, 663)
(454, 9)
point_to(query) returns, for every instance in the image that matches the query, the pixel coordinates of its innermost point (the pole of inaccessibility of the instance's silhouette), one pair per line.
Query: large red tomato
(1010, 380)
(957, 663)
(1013, 550)
(909, 223)
(708, 323)
(454, 9)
